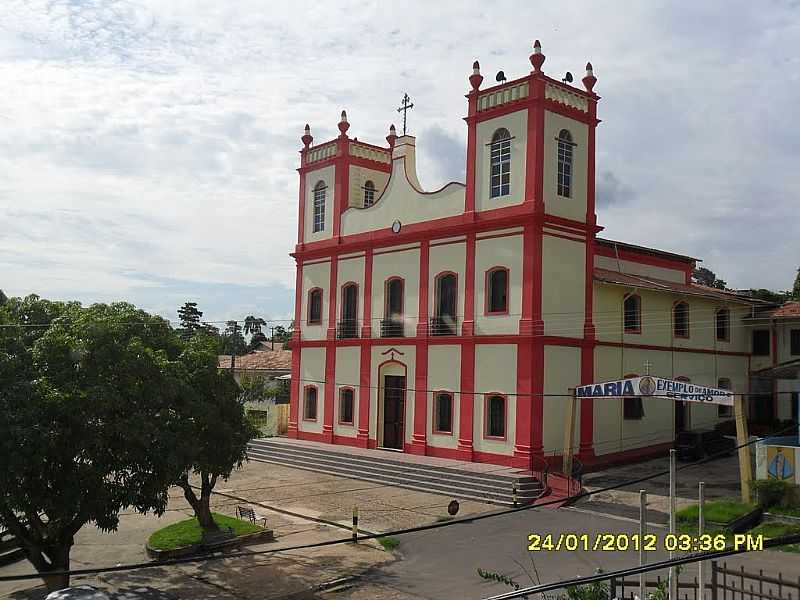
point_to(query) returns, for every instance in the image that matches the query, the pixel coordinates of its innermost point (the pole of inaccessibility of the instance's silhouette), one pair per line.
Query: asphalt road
(443, 563)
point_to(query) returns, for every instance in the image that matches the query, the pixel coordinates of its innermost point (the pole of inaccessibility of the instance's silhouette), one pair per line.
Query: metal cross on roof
(404, 108)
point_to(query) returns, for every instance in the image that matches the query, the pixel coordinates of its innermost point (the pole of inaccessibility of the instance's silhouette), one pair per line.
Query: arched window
(314, 306)
(565, 163)
(495, 416)
(632, 314)
(346, 402)
(319, 207)
(392, 324)
(724, 411)
(680, 320)
(446, 290)
(369, 194)
(444, 412)
(497, 291)
(310, 404)
(348, 324)
(500, 184)
(723, 325)
(632, 406)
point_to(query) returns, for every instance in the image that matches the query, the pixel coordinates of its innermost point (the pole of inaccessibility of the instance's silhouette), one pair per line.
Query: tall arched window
(310, 404)
(723, 325)
(348, 324)
(565, 163)
(632, 314)
(497, 291)
(392, 324)
(680, 320)
(443, 412)
(369, 194)
(501, 164)
(319, 207)
(495, 416)
(314, 306)
(346, 402)
(446, 290)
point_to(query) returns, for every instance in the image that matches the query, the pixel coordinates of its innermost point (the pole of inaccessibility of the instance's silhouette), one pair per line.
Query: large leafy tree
(217, 427)
(190, 316)
(707, 277)
(796, 287)
(90, 411)
(232, 339)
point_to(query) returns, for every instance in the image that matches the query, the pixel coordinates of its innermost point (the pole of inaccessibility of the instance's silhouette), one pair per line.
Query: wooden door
(394, 393)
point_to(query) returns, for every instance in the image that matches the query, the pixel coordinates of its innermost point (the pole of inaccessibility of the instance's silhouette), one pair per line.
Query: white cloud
(150, 142)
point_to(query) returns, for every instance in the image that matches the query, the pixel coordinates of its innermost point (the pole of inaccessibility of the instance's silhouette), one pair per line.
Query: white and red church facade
(455, 323)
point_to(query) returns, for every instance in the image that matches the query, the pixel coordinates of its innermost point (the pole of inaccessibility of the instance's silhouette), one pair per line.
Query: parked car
(699, 443)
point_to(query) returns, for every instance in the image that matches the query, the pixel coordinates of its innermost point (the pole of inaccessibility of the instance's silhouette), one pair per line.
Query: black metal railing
(446, 325)
(347, 329)
(392, 328)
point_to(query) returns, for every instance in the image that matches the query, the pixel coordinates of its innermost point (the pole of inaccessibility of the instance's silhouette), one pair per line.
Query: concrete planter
(242, 540)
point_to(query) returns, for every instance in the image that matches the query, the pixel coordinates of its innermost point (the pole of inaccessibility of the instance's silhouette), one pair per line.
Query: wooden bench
(247, 513)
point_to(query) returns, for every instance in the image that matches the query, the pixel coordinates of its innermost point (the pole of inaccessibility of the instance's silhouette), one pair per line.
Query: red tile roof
(267, 360)
(641, 281)
(790, 310)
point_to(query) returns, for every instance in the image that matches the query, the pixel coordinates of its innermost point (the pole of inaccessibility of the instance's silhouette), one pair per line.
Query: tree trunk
(201, 505)
(59, 561)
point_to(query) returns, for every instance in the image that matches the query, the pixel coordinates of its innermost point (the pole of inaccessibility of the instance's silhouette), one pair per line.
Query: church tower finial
(590, 79)
(343, 124)
(392, 137)
(307, 138)
(476, 78)
(537, 58)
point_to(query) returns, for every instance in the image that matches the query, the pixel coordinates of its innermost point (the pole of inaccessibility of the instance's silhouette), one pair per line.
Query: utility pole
(673, 575)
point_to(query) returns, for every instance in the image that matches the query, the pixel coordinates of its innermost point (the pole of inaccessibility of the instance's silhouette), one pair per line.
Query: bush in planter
(773, 492)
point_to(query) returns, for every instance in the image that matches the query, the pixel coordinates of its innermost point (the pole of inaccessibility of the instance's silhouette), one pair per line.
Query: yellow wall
(312, 370)
(403, 264)
(358, 177)
(351, 270)
(315, 275)
(503, 252)
(575, 206)
(325, 175)
(495, 371)
(562, 369)
(449, 257)
(347, 369)
(517, 125)
(563, 287)
(444, 374)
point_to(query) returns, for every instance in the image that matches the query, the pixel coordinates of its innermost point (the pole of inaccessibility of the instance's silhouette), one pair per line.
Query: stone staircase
(377, 466)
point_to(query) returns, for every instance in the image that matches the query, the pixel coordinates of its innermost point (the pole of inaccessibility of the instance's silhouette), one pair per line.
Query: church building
(456, 323)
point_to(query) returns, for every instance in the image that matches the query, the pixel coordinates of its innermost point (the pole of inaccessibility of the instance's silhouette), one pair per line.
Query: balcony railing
(392, 328)
(347, 329)
(446, 325)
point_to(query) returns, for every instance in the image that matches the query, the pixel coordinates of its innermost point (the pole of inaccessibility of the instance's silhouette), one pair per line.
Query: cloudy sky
(148, 147)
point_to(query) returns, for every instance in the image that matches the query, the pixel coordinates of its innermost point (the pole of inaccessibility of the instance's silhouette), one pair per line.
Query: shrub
(773, 492)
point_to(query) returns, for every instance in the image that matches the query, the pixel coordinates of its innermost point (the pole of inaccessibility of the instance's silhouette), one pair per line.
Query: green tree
(233, 340)
(253, 325)
(3, 298)
(218, 428)
(190, 319)
(796, 287)
(84, 434)
(707, 277)
(770, 296)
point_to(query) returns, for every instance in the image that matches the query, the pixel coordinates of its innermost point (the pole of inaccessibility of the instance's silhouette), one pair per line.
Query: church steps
(428, 478)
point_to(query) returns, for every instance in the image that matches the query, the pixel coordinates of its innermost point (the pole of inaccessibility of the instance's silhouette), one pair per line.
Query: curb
(258, 536)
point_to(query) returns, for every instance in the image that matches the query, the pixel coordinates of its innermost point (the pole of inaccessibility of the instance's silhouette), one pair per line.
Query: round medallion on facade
(647, 386)
(396, 226)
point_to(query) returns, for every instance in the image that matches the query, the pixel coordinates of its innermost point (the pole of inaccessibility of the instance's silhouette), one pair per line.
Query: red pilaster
(524, 427)
(419, 437)
(295, 387)
(468, 329)
(330, 353)
(466, 401)
(364, 395)
(472, 137)
(424, 276)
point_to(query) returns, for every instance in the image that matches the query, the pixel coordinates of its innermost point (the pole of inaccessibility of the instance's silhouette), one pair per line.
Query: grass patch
(773, 530)
(791, 511)
(718, 511)
(388, 543)
(442, 519)
(188, 532)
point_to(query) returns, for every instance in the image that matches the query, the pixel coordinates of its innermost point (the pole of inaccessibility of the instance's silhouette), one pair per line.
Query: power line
(349, 539)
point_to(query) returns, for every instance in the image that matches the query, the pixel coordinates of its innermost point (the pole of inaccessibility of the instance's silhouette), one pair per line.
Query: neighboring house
(271, 364)
(776, 362)
(455, 323)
